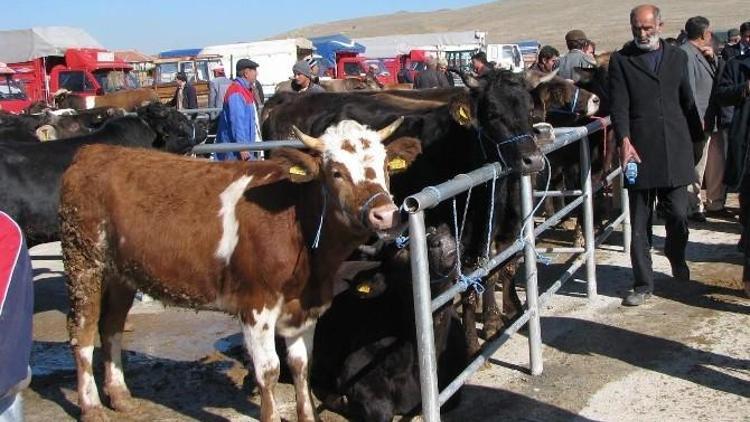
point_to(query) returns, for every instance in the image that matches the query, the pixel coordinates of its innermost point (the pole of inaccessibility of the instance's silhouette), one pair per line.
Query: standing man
(431, 77)
(16, 314)
(741, 47)
(238, 119)
(702, 65)
(655, 122)
(479, 63)
(576, 41)
(217, 88)
(547, 59)
(734, 90)
(184, 96)
(304, 79)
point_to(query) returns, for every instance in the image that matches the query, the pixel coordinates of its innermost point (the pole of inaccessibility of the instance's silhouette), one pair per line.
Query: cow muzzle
(592, 107)
(382, 218)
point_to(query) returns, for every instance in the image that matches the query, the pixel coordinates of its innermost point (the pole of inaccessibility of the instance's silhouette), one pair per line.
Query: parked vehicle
(275, 58)
(506, 56)
(12, 95)
(48, 59)
(196, 66)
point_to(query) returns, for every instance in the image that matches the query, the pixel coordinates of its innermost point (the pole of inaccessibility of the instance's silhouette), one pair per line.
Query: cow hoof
(122, 402)
(94, 414)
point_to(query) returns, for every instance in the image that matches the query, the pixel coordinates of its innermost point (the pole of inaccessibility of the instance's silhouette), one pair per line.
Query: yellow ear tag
(397, 163)
(364, 288)
(463, 114)
(299, 171)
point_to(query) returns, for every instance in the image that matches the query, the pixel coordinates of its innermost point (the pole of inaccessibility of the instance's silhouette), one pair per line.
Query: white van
(275, 58)
(506, 56)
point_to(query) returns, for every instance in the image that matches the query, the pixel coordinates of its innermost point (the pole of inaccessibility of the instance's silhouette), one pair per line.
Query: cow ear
(461, 112)
(401, 153)
(296, 166)
(46, 133)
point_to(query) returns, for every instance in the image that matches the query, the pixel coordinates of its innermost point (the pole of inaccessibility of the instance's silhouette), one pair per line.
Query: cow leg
(512, 306)
(578, 239)
(491, 315)
(258, 331)
(469, 318)
(118, 298)
(299, 354)
(84, 288)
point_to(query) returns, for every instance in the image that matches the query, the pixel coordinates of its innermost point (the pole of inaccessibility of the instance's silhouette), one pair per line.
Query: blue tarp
(327, 47)
(180, 53)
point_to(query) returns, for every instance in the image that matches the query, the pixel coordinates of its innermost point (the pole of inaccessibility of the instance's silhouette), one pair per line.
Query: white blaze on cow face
(229, 225)
(358, 148)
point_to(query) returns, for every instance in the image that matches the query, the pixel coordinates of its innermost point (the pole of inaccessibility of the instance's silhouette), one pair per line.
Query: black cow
(488, 122)
(31, 172)
(372, 372)
(49, 125)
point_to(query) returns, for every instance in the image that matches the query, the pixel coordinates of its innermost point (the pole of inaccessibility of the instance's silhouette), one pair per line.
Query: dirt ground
(685, 355)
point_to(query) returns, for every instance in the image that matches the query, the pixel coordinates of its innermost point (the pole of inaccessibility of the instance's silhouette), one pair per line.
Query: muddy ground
(685, 355)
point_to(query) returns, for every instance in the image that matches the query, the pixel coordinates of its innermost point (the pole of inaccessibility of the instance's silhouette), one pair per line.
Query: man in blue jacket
(16, 313)
(238, 120)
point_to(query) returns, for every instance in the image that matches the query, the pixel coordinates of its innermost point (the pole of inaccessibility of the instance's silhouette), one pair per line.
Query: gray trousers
(710, 170)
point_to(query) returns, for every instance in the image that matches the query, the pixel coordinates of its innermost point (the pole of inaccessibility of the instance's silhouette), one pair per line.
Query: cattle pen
(430, 196)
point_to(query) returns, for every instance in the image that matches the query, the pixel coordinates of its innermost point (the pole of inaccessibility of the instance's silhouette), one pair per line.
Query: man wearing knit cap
(303, 78)
(576, 40)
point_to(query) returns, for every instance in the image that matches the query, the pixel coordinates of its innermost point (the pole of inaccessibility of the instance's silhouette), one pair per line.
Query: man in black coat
(184, 96)
(656, 122)
(741, 48)
(734, 90)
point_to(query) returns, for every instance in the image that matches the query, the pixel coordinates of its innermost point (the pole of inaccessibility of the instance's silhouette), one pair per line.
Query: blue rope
(491, 215)
(575, 100)
(402, 241)
(515, 139)
(316, 242)
(463, 280)
(541, 258)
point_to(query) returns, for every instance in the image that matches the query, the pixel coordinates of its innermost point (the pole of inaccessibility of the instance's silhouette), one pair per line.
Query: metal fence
(431, 196)
(424, 305)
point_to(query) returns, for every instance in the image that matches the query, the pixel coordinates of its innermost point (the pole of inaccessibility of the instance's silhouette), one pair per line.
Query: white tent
(27, 44)
(392, 45)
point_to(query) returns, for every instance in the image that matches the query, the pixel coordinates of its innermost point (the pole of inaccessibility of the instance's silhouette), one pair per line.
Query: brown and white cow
(235, 236)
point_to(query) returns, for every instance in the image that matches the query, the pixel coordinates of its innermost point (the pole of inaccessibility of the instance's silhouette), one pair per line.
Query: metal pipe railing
(431, 196)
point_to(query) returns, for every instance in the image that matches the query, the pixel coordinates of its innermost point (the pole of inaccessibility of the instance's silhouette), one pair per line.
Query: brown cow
(234, 236)
(127, 99)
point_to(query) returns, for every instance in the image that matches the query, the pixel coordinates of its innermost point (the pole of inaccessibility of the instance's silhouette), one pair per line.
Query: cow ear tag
(462, 114)
(396, 164)
(364, 288)
(297, 170)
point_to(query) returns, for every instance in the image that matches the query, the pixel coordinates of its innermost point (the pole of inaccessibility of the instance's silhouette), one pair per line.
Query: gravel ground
(685, 355)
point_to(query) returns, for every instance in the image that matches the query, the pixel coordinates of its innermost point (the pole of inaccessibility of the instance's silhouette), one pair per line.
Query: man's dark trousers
(675, 202)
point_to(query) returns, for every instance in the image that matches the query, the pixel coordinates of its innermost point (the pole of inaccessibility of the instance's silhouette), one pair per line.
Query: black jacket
(658, 113)
(190, 100)
(733, 91)
(731, 51)
(431, 78)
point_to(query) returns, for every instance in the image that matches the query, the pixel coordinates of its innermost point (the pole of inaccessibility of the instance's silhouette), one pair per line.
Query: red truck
(387, 69)
(48, 63)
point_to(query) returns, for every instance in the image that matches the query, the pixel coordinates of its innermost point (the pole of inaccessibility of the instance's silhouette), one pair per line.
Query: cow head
(559, 100)
(174, 131)
(353, 164)
(500, 110)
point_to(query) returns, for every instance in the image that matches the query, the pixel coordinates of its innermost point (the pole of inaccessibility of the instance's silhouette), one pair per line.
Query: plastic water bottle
(631, 172)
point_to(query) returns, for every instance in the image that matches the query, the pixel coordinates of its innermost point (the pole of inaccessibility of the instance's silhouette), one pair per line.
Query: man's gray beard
(653, 43)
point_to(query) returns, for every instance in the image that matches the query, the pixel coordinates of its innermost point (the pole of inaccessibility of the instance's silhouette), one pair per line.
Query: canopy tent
(327, 47)
(23, 45)
(392, 45)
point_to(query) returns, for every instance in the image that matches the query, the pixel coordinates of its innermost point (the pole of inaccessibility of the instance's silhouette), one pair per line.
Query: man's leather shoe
(636, 298)
(680, 271)
(698, 217)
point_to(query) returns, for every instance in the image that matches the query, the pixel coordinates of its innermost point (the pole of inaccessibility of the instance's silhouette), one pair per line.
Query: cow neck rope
(511, 140)
(324, 193)
(463, 280)
(573, 105)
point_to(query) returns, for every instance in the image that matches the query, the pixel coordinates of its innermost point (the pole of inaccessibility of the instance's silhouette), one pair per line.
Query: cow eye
(337, 174)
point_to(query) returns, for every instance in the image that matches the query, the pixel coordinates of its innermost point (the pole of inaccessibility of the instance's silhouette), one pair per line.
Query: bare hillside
(604, 21)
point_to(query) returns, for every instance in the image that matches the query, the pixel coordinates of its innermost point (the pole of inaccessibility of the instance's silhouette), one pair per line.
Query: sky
(158, 25)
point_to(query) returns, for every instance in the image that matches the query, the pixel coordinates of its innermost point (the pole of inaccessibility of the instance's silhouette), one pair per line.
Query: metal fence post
(420, 274)
(625, 199)
(532, 290)
(588, 219)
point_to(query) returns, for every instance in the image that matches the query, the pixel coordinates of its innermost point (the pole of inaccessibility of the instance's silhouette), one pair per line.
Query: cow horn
(387, 131)
(309, 141)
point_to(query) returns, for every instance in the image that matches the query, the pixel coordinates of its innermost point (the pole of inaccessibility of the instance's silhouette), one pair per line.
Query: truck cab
(89, 72)
(198, 70)
(13, 97)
